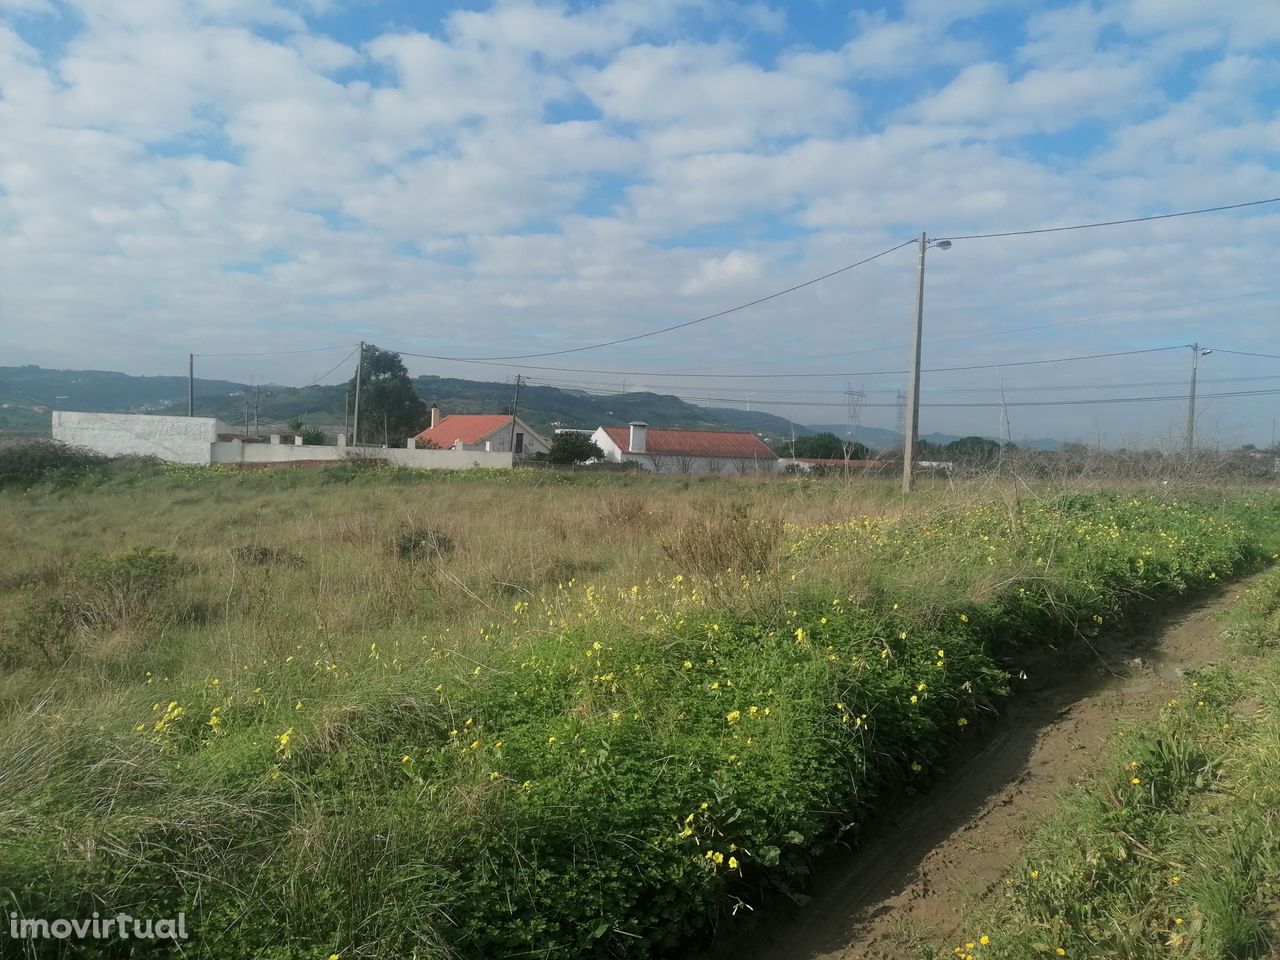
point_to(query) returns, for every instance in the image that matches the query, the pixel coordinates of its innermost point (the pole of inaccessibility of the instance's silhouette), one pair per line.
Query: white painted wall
(177, 439)
(236, 451)
(195, 440)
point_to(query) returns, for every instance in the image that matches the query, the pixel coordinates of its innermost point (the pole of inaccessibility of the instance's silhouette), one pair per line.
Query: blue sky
(487, 179)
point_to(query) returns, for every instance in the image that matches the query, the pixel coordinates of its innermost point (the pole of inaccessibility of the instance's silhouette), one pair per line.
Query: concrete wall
(235, 451)
(195, 440)
(178, 439)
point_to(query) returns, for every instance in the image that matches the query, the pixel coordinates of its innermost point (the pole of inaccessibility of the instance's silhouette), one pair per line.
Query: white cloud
(734, 270)
(26, 7)
(180, 174)
(323, 54)
(703, 97)
(1048, 99)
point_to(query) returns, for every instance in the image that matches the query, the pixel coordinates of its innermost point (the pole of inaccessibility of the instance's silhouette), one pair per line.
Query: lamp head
(943, 244)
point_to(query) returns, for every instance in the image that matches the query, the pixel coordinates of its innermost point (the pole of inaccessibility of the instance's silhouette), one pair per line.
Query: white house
(488, 432)
(686, 451)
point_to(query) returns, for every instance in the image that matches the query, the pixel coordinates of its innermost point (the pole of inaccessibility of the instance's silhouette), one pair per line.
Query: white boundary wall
(236, 451)
(195, 440)
(177, 439)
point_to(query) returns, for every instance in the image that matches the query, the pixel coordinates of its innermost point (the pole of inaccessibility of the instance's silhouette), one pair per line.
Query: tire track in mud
(918, 869)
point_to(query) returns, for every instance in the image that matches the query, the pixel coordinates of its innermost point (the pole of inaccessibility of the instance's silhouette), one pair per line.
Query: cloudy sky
(510, 178)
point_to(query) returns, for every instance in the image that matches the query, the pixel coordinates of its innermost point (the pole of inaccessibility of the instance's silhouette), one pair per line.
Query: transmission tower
(854, 400)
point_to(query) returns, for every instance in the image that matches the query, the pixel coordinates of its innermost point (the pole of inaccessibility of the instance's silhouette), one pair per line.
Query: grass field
(1173, 848)
(383, 714)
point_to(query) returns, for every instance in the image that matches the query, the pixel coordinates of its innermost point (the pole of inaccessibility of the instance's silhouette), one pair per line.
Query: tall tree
(390, 410)
(824, 446)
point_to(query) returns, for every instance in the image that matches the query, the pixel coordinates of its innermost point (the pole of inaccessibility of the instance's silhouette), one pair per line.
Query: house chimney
(639, 433)
(435, 416)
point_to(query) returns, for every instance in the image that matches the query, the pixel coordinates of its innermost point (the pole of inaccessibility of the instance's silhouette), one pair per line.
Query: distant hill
(24, 389)
(28, 393)
(882, 439)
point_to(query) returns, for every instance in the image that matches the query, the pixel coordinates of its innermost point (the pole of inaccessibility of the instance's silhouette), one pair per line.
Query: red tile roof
(470, 428)
(695, 443)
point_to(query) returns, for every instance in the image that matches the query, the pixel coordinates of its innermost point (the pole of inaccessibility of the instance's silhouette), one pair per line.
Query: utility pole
(1196, 354)
(515, 407)
(191, 384)
(355, 420)
(912, 425)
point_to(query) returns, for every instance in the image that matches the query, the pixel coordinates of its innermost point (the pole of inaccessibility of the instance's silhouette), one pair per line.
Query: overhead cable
(674, 326)
(1110, 223)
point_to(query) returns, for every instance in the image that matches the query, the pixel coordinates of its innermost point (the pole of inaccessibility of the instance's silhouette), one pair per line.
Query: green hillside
(24, 389)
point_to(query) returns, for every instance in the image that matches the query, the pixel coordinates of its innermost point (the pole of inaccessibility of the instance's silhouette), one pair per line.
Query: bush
(46, 625)
(423, 543)
(128, 587)
(26, 464)
(574, 448)
(724, 540)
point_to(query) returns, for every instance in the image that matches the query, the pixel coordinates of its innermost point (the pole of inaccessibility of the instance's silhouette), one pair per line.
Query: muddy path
(917, 871)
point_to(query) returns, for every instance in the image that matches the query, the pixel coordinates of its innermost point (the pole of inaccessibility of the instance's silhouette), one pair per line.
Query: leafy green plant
(26, 464)
(574, 447)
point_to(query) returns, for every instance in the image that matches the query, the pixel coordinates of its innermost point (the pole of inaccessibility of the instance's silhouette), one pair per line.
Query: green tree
(825, 446)
(973, 450)
(390, 410)
(570, 447)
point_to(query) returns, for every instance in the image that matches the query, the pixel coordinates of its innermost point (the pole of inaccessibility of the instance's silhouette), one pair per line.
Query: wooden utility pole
(1196, 354)
(191, 384)
(355, 420)
(515, 408)
(911, 427)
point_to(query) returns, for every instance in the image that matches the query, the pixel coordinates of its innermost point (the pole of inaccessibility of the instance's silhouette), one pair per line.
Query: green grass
(1173, 848)
(611, 711)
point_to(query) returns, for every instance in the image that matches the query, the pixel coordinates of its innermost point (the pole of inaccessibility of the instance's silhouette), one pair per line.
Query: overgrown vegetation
(619, 710)
(31, 462)
(1173, 849)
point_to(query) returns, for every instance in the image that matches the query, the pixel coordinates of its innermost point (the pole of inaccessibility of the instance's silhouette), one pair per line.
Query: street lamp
(911, 426)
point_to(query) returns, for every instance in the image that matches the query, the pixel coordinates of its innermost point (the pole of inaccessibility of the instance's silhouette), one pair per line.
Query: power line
(674, 326)
(992, 404)
(990, 365)
(1245, 353)
(608, 389)
(274, 353)
(1039, 326)
(1112, 223)
(331, 369)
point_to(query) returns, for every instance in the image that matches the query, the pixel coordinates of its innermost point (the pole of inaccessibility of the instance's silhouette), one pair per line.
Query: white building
(686, 451)
(482, 431)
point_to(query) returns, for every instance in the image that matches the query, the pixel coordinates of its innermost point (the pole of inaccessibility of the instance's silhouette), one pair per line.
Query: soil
(903, 892)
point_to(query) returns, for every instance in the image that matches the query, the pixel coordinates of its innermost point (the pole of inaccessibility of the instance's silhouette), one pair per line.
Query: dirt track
(920, 869)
